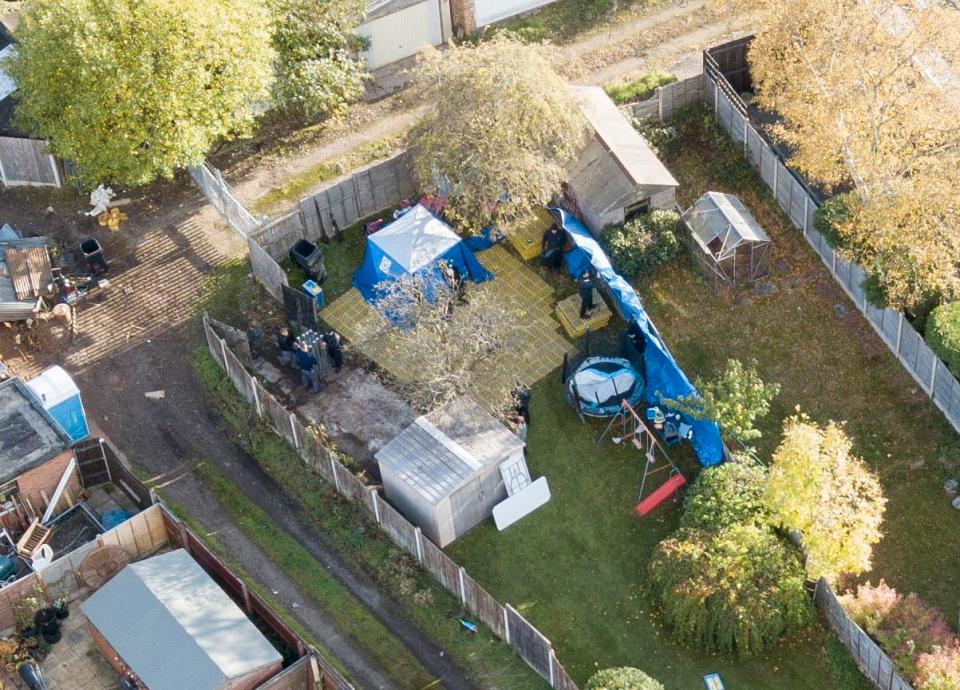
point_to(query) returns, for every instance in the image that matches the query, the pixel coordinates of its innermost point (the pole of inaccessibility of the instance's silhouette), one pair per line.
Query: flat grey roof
(175, 627)
(440, 452)
(29, 436)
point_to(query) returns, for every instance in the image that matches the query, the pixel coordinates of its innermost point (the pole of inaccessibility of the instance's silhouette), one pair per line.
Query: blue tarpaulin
(414, 244)
(663, 375)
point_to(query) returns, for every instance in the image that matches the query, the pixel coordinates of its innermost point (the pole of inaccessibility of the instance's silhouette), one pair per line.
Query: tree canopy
(500, 128)
(317, 69)
(818, 487)
(131, 90)
(869, 99)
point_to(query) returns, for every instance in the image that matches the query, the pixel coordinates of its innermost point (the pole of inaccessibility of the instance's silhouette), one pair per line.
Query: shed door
(489, 11)
(473, 503)
(402, 33)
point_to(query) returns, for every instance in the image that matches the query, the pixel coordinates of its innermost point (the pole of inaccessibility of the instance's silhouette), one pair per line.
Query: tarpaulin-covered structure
(664, 378)
(414, 244)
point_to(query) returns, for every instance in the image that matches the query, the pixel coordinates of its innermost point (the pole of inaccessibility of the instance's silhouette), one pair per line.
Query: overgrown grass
(623, 92)
(328, 593)
(297, 186)
(488, 661)
(566, 20)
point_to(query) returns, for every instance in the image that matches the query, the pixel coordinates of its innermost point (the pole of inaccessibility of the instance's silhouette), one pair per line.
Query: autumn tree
(132, 90)
(734, 399)
(444, 343)
(816, 486)
(868, 95)
(318, 70)
(500, 127)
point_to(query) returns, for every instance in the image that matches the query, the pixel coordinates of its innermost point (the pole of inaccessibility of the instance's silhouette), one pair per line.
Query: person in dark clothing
(635, 333)
(285, 341)
(332, 341)
(309, 376)
(585, 286)
(521, 398)
(552, 247)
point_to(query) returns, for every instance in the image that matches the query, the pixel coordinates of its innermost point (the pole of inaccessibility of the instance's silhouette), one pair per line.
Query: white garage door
(402, 34)
(489, 11)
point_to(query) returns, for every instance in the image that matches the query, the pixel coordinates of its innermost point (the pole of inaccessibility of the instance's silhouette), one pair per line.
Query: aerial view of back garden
(480, 344)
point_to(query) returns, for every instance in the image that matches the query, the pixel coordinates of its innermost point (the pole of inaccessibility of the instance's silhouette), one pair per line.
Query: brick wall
(106, 650)
(45, 477)
(463, 17)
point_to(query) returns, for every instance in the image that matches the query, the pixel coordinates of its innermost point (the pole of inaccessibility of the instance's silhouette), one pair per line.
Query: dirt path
(672, 37)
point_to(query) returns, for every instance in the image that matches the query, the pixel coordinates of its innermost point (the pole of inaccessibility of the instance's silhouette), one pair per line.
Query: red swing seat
(660, 494)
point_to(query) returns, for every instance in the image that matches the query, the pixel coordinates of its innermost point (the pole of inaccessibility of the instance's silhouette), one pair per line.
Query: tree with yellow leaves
(500, 127)
(869, 95)
(816, 486)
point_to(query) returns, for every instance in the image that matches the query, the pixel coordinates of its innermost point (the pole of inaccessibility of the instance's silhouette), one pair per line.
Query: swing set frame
(634, 429)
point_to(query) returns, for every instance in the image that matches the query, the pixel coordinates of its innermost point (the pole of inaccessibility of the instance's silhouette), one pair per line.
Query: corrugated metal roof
(175, 627)
(29, 269)
(612, 128)
(440, 452)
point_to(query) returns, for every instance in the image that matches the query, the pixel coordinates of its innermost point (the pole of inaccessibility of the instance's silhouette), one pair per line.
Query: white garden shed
(443, 471)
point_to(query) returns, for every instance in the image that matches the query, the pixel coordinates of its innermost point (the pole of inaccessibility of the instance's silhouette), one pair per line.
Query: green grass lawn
(576, 567)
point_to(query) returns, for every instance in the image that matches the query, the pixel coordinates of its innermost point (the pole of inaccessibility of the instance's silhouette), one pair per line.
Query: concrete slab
(265, 369)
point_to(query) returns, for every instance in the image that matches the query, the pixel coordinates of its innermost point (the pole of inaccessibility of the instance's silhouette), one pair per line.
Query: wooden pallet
(526, 234)
(568, 313)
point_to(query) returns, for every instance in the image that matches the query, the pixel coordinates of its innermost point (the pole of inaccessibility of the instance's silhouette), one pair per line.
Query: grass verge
(350, 615)
(297, 186)
(489, 662)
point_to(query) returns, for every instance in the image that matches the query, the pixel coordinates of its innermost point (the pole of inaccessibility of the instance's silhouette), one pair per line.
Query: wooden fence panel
(396, 526)
(213, 344)
(440, 566)
(350, 486)
(270, 274)
(317, 456)
(143, 533)
(276, 415)
(562, 679)
(123, 477)
(529, 643)
(482, 605)
(241, 379)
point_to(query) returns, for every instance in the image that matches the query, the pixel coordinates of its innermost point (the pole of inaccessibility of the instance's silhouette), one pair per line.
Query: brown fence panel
(92, 464)
(529, 643)
(296, 676)
(213, 344)
(350, 486)
(123, 476)
(236, 339)
(270, 274)
(141, 534)
(276, 415)
(440, 566)
(239, 376)
(482, 605)
(394, 524)
(561, 679)
(317, 456)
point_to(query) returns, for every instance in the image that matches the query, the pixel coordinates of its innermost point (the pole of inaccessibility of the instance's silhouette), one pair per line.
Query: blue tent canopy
(664, 378)
(414, 244)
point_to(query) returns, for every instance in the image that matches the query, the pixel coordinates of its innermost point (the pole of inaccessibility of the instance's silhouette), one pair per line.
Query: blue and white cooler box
(59, 395)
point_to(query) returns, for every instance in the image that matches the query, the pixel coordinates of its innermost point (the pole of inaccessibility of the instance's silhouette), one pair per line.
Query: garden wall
(800, 203)
(504, 621)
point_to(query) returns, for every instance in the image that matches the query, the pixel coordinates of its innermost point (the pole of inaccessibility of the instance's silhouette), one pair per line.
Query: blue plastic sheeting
(486, 239)
(664, 377)
(413, 245)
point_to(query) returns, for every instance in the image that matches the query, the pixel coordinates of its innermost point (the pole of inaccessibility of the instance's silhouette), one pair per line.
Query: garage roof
(29, 436)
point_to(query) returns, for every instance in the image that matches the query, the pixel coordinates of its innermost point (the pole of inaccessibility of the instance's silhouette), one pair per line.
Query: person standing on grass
(332, 341)
(309, 376)
(552, 247)
(585, 286)
(285, 341)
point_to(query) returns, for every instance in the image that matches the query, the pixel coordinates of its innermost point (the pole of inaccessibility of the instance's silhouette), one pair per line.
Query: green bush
(663, 139)
(735, 590)
(943, 334)
(622, 678)
(832, 214)
(639, 89)
(642, 243)
(725, 495)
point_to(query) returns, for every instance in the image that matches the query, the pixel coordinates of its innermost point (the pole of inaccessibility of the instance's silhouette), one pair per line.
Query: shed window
(635, 209)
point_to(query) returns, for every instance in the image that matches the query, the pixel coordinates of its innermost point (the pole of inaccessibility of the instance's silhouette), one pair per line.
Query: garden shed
(617, 175)
(727, 243)
(169, 623)
(443, 471)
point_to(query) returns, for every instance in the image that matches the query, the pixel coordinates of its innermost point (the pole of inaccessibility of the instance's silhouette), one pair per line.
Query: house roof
(631, 152)
(440, 452)
(175, 627)
(29, 436)
(723, 217)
